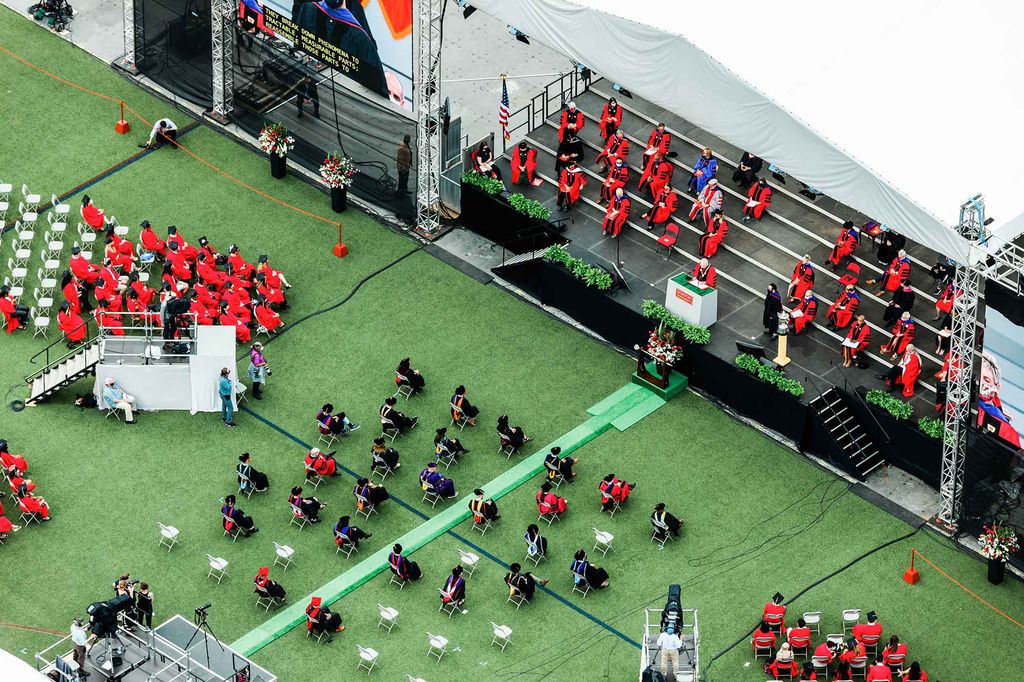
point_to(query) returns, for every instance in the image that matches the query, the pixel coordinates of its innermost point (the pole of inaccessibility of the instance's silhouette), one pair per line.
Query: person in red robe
(208, 272)
(266, 317)
(843, 309)
(617, 147)
(572, 122)
(616, 214)
(321, 463)
(802, 279)
(92, 216)
(665, 204)
(857, 339)
(846, 243)
(807, 308)
(616, 489)
(759, 198)
(6, 527)
(239, 266)
(320, 619)
(570, 183)
(15, 315)
(71, 325)
(108, 319)
(712, 238)
(657, 173)
(709, 200)
(9, 459)
(83, 270)
(548, 502)
(179, 264)
(705, 272)
(658, 142)
(869, 632)
(903, 333)
(878, 672)
(227, 319)
(151, 242)
(905, 372)
(895, 275)
(895, 652)
(524, 163)
(617, 178)
(611, 118)
(774, 613)
(944, 303)
(29, 503)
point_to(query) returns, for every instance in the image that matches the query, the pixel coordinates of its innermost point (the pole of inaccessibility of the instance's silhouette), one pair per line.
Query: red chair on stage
(668, 240)
(850, 277)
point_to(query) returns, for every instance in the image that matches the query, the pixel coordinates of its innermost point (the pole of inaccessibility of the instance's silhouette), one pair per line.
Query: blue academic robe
(710, 168)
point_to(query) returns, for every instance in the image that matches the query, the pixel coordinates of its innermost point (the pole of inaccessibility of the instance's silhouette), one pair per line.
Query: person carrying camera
(259, 369)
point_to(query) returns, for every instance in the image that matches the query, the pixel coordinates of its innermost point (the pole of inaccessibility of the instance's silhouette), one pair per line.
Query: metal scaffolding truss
(132, 35)
(959, 377)
(222, 34)
(429, 14)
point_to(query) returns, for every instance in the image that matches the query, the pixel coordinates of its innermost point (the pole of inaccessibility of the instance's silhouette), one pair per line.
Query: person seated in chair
(852, 649)
(94, 217)
(556, 465)
(257, 479)
(406, 375)
(522, 582)
(663, 517)
(15, 480)
(878, 671)
(763, 630)
(454, 590)
(10, 460)
(895, 651)
(775, 612)
(483, 510)
(462, 408)
(309, 506)
(401, 567)
(594, 576)
(265, 587)
(616, 490)
(434, 481)
(513, 435)
(114, 398)
(265, 316)
(536, 544)
(808, 672)
(872, 629)
(381, 456)
(447, 447)
(784, 663)
(914, 673)
(233, 517)
(6, 527)
(371, 492)
(30, 503)
(799, 637)
(347, 534)
(320, 619)
(390, 416)
(334, 424)
(323, 464)
(548, 502)
(15, 314)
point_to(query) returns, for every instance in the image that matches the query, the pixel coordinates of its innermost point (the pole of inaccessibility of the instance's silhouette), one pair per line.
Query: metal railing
(555, 95)
(48, 353)
(141, 335)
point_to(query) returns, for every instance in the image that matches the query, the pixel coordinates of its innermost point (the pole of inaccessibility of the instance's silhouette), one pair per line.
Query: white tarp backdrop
(902, 110)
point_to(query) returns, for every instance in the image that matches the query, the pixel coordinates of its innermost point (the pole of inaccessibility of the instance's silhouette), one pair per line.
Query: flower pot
(996, 571)
(339, 199)
(278, 166)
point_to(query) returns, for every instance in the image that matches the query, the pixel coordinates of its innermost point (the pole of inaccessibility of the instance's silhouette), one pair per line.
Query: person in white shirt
(164, 132)
(669, 644)
(115, 398)
(79, 637)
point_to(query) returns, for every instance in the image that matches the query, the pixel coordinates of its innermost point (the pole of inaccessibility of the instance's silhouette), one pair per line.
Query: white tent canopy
(16, 670)
(902, 110)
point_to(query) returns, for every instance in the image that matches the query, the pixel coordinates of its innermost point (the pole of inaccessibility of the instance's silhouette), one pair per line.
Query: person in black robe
(343, 24)
(535, 542)
(665, 518)
(595, 576)
(345, 532)
(257, 479)
(892, 243)
(772, 308)
(746, 172)
(237, 517)
(381, 454)
(902, 301)
(373, 493)
(406, 375)
(310, 506)
(555, 465)
(308, 93)
(522, 582)
(569, 149)
(514, 434)
(942, 274)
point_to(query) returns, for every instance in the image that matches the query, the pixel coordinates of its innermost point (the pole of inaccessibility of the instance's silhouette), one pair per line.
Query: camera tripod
(201, 623)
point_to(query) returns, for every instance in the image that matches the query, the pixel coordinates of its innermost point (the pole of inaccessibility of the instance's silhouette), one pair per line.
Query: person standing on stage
(226, 391)
(772, 308)
(79, 638)
(307, 93)
(403, 161)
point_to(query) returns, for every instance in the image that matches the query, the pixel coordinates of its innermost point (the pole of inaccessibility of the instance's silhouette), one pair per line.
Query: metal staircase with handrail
(855, 443)
(64, 369)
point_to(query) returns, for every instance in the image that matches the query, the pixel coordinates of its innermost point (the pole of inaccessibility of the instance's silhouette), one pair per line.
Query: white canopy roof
(16, 670)
(901, 109)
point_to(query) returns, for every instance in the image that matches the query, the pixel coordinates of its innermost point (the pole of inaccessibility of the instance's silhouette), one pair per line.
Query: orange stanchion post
(340, 250)
(911, 576)
(122, 127)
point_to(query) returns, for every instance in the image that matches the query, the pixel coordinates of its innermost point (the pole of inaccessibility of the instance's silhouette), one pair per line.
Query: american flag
(503, 110)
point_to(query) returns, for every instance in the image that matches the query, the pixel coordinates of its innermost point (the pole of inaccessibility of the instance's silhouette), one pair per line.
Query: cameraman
(259, 369)
(126, 586)
(79, 637)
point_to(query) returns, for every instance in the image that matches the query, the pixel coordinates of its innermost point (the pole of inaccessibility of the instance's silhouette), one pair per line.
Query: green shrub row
(590, 275)
(749, 363)
(691, 332)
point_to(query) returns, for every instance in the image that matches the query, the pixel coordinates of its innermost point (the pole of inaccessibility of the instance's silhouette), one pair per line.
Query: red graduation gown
(911, 366)
(267, 317)
(896, 274)
(522, 165)
(71, 293)
(83, 270)
(150, 242)
(763, 197)
(615, 216)
(657, 175)
(809, 308)
(659, 143)
(902, 334)
(803, 274)
(610, 122)
(845, 245)
(577, 119)
(861, 334)
(571, 182)
(709, 276)
(93, 217)
(71, 325)
(945, 300)
(842, 311)
(7, 309)
(617, 177)
(663, 213)
(712, 239)
(614, 149)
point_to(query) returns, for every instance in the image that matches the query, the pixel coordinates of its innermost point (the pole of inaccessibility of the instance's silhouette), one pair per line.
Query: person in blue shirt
(226, 388)
(115, 398)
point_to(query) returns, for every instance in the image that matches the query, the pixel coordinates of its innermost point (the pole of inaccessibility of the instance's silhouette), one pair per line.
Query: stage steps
(856, 444)
(63, 372)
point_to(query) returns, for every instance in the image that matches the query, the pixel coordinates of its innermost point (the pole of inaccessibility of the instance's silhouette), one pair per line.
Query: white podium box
(691, 303)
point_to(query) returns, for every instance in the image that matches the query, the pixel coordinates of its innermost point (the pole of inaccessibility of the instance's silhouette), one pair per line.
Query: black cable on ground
(819, 581)
(343, 301)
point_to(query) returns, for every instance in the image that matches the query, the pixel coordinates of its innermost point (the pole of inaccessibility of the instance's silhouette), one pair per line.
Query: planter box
(492, 217)
(901, 442)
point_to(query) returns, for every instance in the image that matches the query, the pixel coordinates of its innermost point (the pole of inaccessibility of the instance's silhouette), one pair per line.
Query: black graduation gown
(357, 43)
(887, 251)
(902, 301)
(746, 178)
(772, 308)
(568, 147)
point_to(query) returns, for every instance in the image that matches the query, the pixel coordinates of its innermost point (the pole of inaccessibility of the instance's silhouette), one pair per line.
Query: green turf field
(758, 517)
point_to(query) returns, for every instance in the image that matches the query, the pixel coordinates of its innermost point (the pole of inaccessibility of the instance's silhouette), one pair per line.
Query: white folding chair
(15, 287)
(388, 617)
(367, 659)
(46, 283)
(54, 245)
(58, 223)
(395, 580)
(602, 541)
(4, 208)
(50, 266)
(347, 549)
(28, 214)
(505, 446)
(483, 526)
(446, 457)
(283, 555)
(316, 633)
(661, 534)
(168, 536)
(813, 621)
(20, 256)
(326, 438)
(60, 209)
(515, 597)
(549, 518)
(86, 250)
(404, 389)
(245, 486)
(40, 323)
(5, 191)
(414, 679)
(265, 600)
(298, 518)
(366, 509)
(218, 567)
(459, 417)
(430, 497)
(438, 646)
(119, 230)
(86, 234)
(608, 499)
(534, 554)
(312, 477)
(388, 430)
(502, 635)
(580, 584)
(23, 234)
(31, 200)
(381, 468)
(235, 531)
(470, 561)
(764, 647)
(850, 618)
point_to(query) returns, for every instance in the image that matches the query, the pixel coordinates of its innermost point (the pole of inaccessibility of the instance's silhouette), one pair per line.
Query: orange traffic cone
(122, 127)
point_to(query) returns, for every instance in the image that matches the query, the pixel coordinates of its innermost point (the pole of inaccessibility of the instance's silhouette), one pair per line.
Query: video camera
(672, 614)
(103, 615)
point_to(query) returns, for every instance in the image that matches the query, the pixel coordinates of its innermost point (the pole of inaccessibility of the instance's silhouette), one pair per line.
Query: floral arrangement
(274, 139)
(997, 542)
(337, 171)
(777, 378)
(692, 333)
(591, 275)
(661, 345)
(891, 404)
